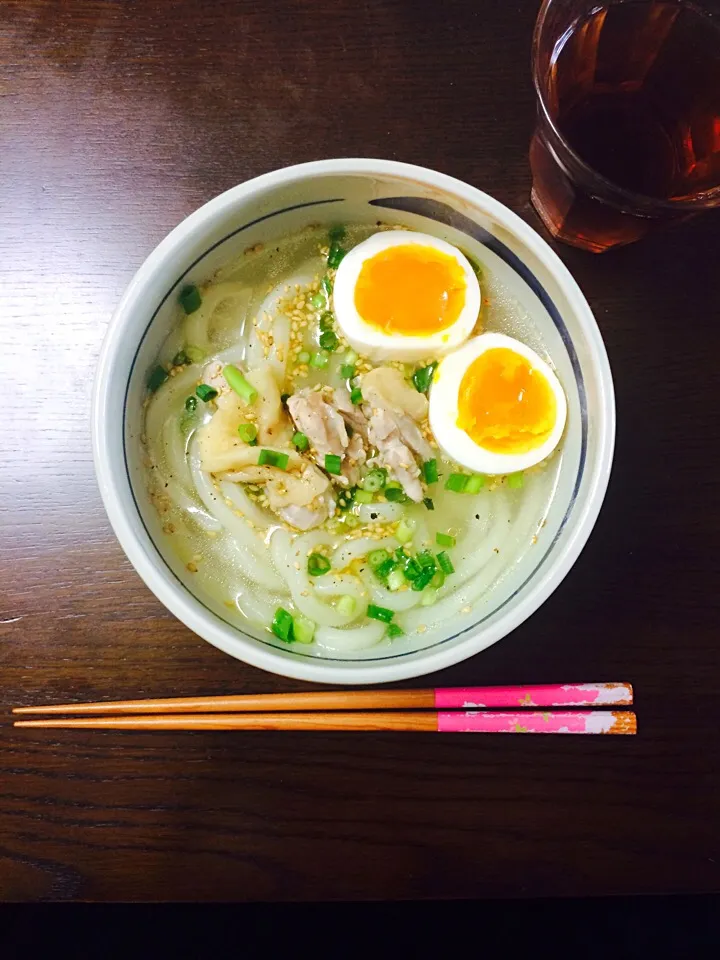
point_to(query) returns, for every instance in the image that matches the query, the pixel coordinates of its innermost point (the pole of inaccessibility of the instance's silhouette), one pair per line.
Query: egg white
(378, 345)
(444, 397)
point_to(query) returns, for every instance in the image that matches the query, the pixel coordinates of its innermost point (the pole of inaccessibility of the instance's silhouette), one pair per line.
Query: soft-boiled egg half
(496, 406)
(401, 295)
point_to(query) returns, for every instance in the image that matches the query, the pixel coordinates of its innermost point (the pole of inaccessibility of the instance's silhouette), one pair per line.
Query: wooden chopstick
(429, 721)
(446, 698)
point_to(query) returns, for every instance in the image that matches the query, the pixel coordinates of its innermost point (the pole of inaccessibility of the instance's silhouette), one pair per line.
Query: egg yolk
(504, 405)
(410, 290)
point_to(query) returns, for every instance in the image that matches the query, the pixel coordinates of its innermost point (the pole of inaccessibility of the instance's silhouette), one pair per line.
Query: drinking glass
(628, 117)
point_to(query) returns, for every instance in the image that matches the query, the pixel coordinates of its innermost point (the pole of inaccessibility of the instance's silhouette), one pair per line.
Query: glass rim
(619, 195)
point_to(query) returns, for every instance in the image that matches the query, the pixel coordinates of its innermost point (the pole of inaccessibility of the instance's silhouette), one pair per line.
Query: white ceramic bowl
(268, 208)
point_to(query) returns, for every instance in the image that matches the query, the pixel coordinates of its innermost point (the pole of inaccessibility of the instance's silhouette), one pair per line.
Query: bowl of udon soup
(353, 421)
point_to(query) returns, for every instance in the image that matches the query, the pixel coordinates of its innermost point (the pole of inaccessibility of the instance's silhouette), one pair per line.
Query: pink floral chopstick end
(568, 721)
(547, 695)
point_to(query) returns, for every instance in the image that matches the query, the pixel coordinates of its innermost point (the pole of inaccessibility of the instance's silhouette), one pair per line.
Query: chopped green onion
(412, 569)
(385, 568)
(190, 298)
(423, 579)
(237, 382)
(445, 563)
(374, 481)
(394, 492)
(426, 560)
(477, 269)
(191, 404)
(333, 463)
(345, 498)
(430, 471)
(376, 557)
(317, 300)
(347, 605)
(328, 340)
(195, 354)
(428, 503)
(351, 357)
(456, 482)
(181, 359)
(475, 483)
(282, 625)
(248, 432)
(444, 540)
(405, 530)
(336, 232)
(326, 284)
(319, 360)
(272, 459)
(351, 520)
(206, 393)
(347, 371)
(327, 321)
(394, 630)
(396, 578)
(335, 256)
(363, 496)
(300, 441)
(317, 565)
(380, 613)
(157, 378)
(422, 378)
(429, 597)
(303, 357)
(303, 630)
(515, 480)
(356, 396)
(438, 580)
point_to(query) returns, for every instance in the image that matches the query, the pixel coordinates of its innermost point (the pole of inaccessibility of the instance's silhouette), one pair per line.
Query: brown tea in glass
(628, 131)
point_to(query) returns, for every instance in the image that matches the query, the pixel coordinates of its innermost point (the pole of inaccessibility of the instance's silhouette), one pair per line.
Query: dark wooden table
(116, 120)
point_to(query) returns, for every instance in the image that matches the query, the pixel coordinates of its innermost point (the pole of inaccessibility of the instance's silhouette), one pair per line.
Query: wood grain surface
(116, 120)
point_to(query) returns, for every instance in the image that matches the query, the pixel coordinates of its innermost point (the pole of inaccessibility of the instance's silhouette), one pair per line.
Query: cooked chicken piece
(386, 387)
(305, 518)
(291, 490)
(355, 457)
(385, 434)
(393, 407)
(320, 422)
(284, 489)
(350, 413)
(301, 499)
